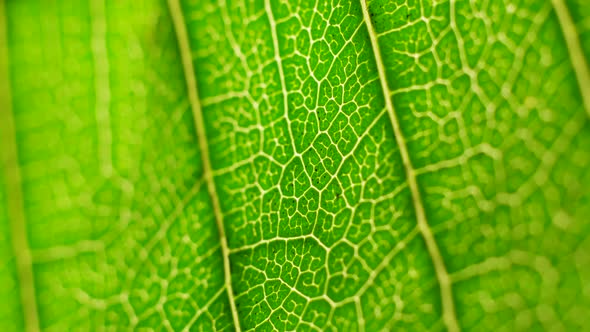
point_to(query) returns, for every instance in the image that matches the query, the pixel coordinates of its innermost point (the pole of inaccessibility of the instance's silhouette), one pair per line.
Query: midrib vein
(572, 40)
(448, 305)
(191, 83)
(12, 178)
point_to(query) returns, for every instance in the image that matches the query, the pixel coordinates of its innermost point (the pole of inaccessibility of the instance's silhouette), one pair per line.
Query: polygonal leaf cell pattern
(326, 165)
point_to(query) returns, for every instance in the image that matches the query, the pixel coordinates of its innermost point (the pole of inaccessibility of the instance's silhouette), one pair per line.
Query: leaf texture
(295, 165)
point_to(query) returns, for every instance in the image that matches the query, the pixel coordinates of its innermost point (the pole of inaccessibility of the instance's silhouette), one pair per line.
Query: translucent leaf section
(318, 212)
(379, 165)
(317, 199)
(488, 99)
(120, 223)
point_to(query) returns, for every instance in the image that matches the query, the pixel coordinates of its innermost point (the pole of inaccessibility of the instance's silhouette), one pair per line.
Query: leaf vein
(192, 90)
(579, 63)
(449, 316)
(11, 172)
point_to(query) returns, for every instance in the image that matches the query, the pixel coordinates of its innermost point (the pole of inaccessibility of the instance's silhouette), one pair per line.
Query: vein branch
(279, 61)
(12, 177)
(448, 306)
(191, 83)
(577, 57)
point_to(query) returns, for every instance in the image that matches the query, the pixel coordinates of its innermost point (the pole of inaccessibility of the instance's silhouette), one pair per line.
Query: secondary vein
(575, 51)
(277, 58)
(12, 177)
(191, 83)
(448, 306)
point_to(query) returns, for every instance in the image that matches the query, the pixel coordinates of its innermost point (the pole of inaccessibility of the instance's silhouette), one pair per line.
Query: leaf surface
(295, 165)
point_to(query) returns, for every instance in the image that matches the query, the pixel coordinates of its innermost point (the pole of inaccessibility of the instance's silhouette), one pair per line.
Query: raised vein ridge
(572, 40)
(12, 178)
(448, 306)
(191, 83)
(277, 58)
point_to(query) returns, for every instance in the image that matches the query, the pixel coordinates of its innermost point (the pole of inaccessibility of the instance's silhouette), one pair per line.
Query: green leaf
(294, 165)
